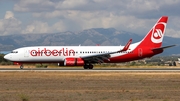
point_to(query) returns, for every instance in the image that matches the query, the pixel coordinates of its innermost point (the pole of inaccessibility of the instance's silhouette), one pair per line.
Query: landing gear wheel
(86, 67)
(21, 66)
(90, 66)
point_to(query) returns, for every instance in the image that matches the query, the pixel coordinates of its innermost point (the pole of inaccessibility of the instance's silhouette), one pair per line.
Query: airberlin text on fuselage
(54, 52)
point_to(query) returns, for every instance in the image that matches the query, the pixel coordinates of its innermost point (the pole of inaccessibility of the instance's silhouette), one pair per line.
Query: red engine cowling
(73, 62)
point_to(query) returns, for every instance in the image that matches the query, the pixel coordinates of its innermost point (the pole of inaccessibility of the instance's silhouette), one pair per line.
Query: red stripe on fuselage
(138, 53)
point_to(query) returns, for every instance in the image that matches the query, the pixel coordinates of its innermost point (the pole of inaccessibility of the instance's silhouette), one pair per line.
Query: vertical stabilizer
(155, 36)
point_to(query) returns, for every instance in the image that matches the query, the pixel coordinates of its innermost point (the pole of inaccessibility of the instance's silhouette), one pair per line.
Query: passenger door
(26, 53)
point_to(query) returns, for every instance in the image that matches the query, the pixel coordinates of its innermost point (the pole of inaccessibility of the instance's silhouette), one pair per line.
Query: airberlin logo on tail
(158, 32)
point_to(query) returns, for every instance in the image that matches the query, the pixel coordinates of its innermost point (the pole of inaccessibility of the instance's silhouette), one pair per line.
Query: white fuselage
(59, 53)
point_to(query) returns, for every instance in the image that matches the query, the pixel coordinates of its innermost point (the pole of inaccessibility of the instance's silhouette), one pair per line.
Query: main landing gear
(90, 66)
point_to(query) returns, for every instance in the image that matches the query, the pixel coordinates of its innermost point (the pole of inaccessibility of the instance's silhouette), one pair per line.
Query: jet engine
(73, 62)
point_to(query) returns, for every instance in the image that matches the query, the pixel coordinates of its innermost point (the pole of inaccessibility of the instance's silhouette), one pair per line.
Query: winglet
(126, 46)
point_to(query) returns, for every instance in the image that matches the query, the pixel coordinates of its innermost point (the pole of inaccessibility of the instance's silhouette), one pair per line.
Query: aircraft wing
(104, 56)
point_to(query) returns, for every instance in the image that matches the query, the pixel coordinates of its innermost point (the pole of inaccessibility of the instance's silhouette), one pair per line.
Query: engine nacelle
(73, 62)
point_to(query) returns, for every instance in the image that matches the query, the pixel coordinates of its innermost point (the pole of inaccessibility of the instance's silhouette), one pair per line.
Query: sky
(52, 16)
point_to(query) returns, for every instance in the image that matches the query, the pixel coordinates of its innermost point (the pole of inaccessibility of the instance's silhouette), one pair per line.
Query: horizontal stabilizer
(162, 48)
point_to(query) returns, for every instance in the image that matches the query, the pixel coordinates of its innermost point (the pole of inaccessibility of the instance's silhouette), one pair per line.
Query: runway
(91, 70)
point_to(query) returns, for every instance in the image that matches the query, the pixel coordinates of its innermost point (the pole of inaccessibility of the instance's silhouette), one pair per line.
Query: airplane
(86, 56)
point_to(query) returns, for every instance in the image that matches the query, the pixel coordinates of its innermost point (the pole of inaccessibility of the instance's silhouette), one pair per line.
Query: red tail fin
(155, 36)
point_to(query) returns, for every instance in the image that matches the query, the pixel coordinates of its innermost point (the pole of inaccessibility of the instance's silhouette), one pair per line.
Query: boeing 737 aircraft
(86, 56)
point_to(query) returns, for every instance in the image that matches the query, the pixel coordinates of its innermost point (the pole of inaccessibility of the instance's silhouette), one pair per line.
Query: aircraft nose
(7, 57)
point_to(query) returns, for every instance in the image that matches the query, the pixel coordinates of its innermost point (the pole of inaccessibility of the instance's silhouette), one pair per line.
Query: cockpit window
(14, 52)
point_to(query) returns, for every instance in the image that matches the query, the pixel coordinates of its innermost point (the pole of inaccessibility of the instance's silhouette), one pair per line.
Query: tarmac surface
(64, 69)
(99, 84)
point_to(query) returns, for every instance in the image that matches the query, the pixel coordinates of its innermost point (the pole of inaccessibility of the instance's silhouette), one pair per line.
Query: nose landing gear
(21, 66)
